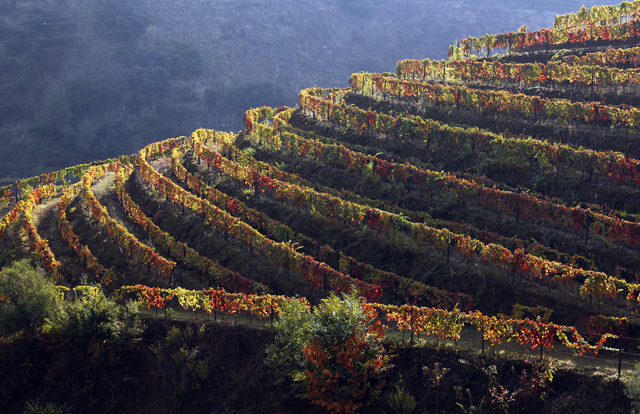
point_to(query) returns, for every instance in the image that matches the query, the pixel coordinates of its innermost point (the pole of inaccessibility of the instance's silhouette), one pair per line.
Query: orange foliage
(344, 373)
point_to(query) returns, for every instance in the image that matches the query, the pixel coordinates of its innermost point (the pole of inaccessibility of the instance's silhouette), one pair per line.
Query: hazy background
(82, 80)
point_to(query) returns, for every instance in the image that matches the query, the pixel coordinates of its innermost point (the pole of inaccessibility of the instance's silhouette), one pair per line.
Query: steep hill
(488, 199)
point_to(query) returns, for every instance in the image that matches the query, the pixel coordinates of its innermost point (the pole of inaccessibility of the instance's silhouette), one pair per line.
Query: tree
(336, 351)
(27, 299)
(286, 355)
(345, 356)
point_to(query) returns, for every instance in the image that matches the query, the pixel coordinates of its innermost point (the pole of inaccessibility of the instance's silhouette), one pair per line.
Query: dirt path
(604, 364)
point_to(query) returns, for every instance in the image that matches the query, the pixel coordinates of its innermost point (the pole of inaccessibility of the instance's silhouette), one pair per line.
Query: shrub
(402, 402)
(93, 317)
(336, 351)
(345, 355)
(286, 355)
(34, 407)
(27, 299)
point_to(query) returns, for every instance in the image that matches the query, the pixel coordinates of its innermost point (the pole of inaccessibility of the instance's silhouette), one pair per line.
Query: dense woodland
(87, 80)
(450, 236)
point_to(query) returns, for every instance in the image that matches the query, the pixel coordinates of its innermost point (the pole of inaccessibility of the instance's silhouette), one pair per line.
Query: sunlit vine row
(211, 300)
(520, 204)
(544, 39)
(14, 191)
(102, 274)
(597, 284)
(432, 321)
(610, 57)
(518, 105)
(317, 273)
(531, 74)
(181, 251)
(27, 222)
(139, 253)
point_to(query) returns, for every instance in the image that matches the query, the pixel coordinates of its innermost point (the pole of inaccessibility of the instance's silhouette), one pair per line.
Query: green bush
(27, 299)
(346, 359)
(90, 316)
(335, 351)
(285, 355)
(402, 402)
(34, 407)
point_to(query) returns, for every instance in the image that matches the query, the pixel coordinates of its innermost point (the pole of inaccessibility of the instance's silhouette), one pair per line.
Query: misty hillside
(85, 80)
(391, 208)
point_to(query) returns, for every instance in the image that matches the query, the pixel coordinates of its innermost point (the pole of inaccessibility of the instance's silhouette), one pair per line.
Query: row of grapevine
(432, 321)
(560, 111)
(611, 57)
(317, 273)
(138, 252)
(211, 300)
(520, 204)
(598, 15)
(22, 212)
(180, 251)
(532, 74)
(10, 217)
(15, 191)
(545, 38)
(449, 324)
(597, 284)
(36, 242)
(103, 275)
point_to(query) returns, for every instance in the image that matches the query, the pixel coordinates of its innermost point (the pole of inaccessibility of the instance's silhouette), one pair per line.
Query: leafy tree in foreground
(345, 355)
(336, 351)
(27, 299)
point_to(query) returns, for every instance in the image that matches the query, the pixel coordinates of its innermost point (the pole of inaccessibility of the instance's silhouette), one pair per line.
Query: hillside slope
(490, 200)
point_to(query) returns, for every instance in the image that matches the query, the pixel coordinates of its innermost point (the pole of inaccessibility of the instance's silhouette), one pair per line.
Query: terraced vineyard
(498, 193)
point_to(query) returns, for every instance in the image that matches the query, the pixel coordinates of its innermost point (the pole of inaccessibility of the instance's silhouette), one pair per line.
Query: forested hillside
(489, 200)
(87, 80)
